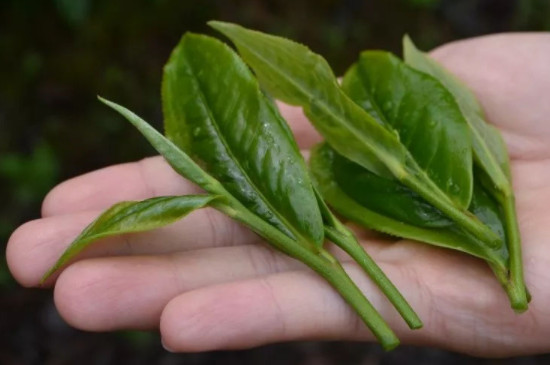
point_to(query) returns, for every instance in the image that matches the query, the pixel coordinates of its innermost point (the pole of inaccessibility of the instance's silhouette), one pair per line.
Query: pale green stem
(518, 291)
(356, 251)
(465, 219)
(324, 264)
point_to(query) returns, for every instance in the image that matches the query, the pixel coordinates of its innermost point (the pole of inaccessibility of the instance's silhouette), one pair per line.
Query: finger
(100, 189)
(130, 292)
(306, 136)
(288, 306)
(35, 246)
(462, 309)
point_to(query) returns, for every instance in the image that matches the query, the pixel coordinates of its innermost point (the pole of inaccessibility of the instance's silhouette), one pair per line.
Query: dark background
(55, 56)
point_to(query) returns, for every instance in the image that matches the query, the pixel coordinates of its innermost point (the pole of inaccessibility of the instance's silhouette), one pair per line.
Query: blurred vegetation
(56, 55)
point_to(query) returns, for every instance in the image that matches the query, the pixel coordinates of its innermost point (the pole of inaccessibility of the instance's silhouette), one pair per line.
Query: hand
(209, 283)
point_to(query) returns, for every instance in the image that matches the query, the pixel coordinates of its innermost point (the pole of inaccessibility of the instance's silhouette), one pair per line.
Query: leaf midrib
(214, 124)
(326, 106)
(108, 226)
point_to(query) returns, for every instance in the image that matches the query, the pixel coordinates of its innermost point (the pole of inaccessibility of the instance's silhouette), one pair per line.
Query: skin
(208, 283)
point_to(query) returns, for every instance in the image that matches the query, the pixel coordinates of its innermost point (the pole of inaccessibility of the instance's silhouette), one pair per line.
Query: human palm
(209, 283)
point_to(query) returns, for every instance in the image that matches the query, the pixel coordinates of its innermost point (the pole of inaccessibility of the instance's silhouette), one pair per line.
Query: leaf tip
(227, 29)
(48, 274)
(407, 39)
(105, 101)
(219, 25)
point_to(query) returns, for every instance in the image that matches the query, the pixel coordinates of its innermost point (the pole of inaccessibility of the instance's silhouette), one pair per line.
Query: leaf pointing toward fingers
(215, 110)
(130, 217)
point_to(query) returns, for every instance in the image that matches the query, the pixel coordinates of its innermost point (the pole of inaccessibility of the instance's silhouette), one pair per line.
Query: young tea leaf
(322, 162)
(130, 217)
(215, 110)
(386, 196)
(178, 159)
(488, 148)
(423, 112)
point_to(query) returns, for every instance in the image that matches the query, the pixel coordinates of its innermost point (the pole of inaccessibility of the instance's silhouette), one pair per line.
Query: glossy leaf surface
(131, 217)
(291, 72)
(385, 196)
(488, 147)
(322, 162)
(215, 110)
(423, 112)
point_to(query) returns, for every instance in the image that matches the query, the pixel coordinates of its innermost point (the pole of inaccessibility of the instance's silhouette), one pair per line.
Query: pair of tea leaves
(418, 138)
(227, 136)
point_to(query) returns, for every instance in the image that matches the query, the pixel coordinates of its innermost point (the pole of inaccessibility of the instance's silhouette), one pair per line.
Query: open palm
(210, 283)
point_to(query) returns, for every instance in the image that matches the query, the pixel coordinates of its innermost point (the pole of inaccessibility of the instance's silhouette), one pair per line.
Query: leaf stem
(518, 290)
(322, 262)
(429, 191)
(350, 245)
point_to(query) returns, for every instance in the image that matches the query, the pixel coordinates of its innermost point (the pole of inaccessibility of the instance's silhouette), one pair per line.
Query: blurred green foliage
(56, 55)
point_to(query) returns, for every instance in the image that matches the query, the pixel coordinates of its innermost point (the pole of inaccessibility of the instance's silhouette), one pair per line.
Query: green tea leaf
(131, 217)
(426, 116)
(488, 147)
(490, 155)
(294, 74)
(322, 163)
(385, 196)
(215, 110)
(178, 159)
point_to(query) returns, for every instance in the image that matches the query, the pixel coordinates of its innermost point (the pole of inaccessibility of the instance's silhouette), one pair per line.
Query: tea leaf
(386, 196)
(323, 162)
(178, 159)
(423, 112)
(490, 155)
(489, 149)
(215, 110)
(131, 217)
